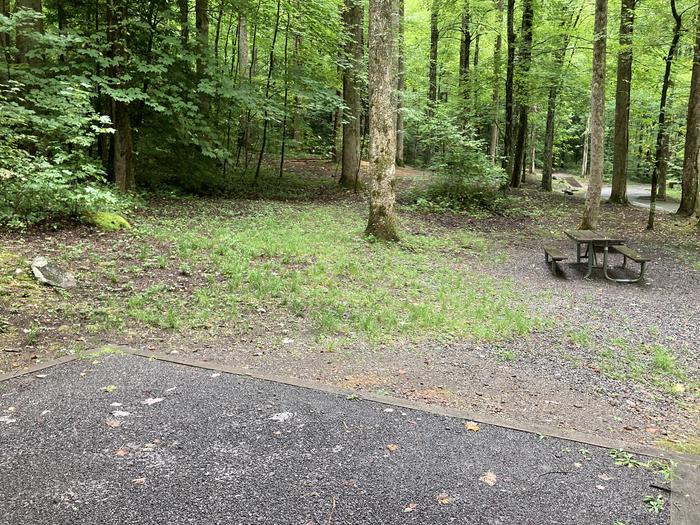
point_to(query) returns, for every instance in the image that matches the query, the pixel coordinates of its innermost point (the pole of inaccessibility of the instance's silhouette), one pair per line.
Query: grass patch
(314, 262)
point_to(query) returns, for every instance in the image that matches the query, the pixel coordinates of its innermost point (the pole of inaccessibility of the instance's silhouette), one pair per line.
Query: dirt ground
(554, 376)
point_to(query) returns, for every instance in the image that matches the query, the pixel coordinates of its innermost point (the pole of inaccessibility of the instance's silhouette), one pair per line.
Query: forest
(358, 192)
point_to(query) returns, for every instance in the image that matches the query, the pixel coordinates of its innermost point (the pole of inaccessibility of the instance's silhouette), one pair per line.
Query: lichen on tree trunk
(382, 148)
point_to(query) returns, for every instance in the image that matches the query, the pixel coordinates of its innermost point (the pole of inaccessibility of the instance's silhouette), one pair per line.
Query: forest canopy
(104, 98)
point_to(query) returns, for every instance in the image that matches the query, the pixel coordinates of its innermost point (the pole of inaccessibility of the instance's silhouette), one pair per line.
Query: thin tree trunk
(432, 71)
(622, 103)
(661, 132)
(595, 183)
(267, 90)
(217, 33)
(690, 201)
(184, 9)
(464, 50)
(23, 41)
(382, 144)
(400, 87)
(353, 21)
(533, 149)
(286, 92)
(523, 93)
(495, 97)
(559, 58)
(586, 144)
(508, 135)
(202, 23)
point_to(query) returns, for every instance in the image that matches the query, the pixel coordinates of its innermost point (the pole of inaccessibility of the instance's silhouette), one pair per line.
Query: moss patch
(107, 221)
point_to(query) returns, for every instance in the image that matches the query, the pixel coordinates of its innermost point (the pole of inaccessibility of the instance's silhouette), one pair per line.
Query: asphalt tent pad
(128, 440)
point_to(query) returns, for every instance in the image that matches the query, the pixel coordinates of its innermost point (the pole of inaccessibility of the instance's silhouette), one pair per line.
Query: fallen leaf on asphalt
(605, 477)
(112, 422)
(115, 404)
(489, 479)
(7, 419)
(215, 375)
(41, 376)
(410, 507)
(120, 413)
(11, 409)
(578, 465)
(471, 426)
(443, 499)
(151, 400)
(392, 448)
(600, 487)
(281, 417)
(121, 452)
(139, 481)
(109, 388)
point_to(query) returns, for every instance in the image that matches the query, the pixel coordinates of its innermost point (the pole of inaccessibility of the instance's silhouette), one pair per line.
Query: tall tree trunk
(432, 72)
(464, 49)
(533, 149)
(352, 96)
(508, 135)
(217, 32)
(184, 9)
(595, 182)
(401, 87)
(495, 97)
(122, 141)
(622, 103)
(523, 93)
(690, 201)
(24, 41)
(266, 116)
(243, 70)
(661, 132)
(559, 58)
(202, 24)
(286, 91)
(382, 144)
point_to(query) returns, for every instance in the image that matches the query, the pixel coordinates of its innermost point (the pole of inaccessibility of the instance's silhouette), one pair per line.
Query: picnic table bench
(595, 242)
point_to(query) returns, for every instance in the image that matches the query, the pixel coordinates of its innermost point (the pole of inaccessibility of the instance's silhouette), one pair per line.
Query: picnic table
(598, 241)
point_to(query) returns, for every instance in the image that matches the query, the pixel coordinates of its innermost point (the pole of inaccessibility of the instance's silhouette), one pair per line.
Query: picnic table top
(594, 236)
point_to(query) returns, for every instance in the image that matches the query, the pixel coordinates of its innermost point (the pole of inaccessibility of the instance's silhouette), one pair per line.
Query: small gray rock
(50, 274)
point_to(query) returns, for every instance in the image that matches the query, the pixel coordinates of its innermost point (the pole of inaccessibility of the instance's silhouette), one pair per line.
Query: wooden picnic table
(593, 240)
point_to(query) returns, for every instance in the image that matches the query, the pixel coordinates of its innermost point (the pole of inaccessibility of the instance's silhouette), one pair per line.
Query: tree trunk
(202, 24)
(586, 144)
(690, 201)
(286, 93)
(533, 150)
(401, 87)
(217, 32)
(661, 132)
(508, 135)
(464, 50)
(271, 67)
(352, 96)
(495, 97)
(595, 182)
(24, 41)
(382, 144)
(184, 8)
(523, 93)
(622, 103)
(122, 143)
(559, 58)
(432, 72)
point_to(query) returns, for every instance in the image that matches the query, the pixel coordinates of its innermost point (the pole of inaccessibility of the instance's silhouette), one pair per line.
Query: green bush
(464, 179)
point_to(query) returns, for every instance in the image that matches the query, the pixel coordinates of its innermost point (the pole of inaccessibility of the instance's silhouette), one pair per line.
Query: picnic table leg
(605, 264)
(578, 252)
(590, 260)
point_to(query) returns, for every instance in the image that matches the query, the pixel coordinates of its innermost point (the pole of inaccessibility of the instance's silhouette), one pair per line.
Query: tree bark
(496, 95)
(586, 145)
(508, 134)
(465, 50)
(595, 182)
(24, 41)
(401, 87)
(382, 144)
(432, 72)
(202, 24)
(523, 93)
(661, 131)
(184, 8)
(622, 103)
(352, 20)
(122, 143)
(690, 201)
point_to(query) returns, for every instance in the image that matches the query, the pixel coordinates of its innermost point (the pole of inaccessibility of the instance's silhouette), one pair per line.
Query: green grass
(647, 364)
(314, 262)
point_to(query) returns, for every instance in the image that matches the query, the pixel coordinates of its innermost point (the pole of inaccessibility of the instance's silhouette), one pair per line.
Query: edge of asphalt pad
(685, 486)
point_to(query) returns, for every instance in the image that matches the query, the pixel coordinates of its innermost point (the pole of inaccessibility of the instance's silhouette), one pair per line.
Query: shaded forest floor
(462, 312)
